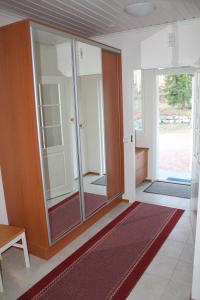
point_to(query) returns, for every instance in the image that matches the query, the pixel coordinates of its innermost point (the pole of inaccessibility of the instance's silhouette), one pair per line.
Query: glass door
(57, 130)
(91, 122)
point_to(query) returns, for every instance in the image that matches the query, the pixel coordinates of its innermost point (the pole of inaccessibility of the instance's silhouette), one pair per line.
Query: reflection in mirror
(58, 135)
(91, 114)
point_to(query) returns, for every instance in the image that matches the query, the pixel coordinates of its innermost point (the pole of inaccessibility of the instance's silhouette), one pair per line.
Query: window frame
(142, 129)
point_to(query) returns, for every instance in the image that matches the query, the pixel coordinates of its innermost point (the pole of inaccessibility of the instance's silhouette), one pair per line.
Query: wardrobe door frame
(37, 101)
(77, 128)
(78, 134)
(74, 39)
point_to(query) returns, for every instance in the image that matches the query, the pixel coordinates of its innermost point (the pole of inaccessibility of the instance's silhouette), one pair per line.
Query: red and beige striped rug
(66, 214)
(109, 265)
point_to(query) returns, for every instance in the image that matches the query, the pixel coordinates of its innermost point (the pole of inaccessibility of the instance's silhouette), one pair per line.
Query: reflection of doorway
(55, 130)
(175, 127)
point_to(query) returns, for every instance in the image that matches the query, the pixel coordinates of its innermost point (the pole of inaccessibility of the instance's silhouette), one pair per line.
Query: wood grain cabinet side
(141, 163)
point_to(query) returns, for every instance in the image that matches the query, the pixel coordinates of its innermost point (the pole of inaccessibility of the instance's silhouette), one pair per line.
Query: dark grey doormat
(101, 181)
(169, 189)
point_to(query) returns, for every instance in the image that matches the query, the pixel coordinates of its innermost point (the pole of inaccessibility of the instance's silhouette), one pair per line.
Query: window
(138, 101)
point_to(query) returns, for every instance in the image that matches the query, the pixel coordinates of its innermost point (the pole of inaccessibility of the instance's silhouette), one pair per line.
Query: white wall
(150, 48)
(196, 270)
(88, 59)
(47, 59)
(90, 116)
(3, 213)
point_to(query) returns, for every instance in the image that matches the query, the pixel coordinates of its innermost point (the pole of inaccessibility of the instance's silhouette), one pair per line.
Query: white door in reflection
(56, 132)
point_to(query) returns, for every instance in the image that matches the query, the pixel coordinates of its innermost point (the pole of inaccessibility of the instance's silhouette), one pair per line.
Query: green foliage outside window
(178, 90)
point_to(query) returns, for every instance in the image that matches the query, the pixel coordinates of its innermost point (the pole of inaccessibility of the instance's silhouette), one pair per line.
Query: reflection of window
(137, 96)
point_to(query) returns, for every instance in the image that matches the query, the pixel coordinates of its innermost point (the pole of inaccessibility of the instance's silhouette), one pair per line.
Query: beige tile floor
(168, 277)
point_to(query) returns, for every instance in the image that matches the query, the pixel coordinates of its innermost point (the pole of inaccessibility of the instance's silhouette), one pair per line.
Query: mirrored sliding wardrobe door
(91, 122)
(53, 68)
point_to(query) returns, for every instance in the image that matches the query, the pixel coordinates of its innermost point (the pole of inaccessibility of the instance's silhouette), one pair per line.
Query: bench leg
(25, 249)
(1, 283)
(1, 280)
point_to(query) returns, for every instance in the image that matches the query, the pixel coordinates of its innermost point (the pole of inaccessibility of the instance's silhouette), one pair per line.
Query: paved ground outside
(175, 149)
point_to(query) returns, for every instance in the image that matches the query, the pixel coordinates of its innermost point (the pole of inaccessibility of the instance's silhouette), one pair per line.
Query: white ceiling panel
(98, 17)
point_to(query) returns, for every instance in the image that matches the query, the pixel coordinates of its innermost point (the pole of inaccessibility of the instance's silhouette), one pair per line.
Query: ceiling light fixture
(140, 9)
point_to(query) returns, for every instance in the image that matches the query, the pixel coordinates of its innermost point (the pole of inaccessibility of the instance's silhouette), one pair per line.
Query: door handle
(131, 138)
(82, 125)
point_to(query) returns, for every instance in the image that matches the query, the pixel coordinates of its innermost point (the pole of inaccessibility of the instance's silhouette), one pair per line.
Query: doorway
(175, 133)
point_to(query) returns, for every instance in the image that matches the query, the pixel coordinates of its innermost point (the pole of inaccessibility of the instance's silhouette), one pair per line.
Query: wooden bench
(10, 236)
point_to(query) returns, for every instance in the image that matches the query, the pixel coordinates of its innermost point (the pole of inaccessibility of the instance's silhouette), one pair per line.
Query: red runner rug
(109, 265)
(66, 214)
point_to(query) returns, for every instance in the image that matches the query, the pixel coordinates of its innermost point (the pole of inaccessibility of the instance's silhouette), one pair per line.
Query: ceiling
(99, 17)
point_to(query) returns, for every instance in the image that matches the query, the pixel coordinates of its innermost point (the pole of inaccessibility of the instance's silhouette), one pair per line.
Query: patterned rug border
(132, 278)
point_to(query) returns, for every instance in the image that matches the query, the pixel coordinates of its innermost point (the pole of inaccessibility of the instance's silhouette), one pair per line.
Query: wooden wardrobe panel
(112, 81)
(19, 156)
(19, 149)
